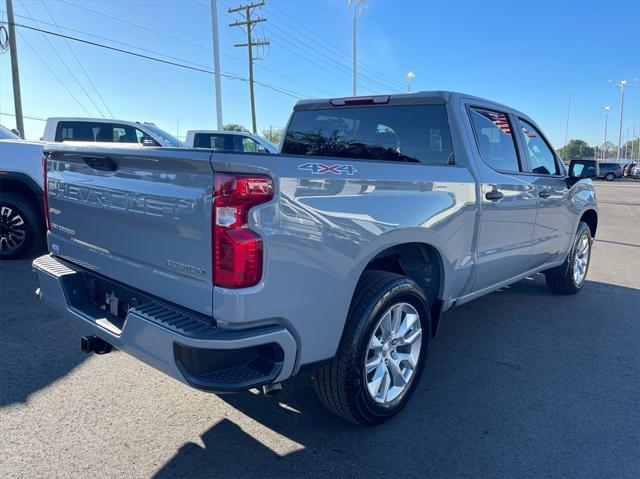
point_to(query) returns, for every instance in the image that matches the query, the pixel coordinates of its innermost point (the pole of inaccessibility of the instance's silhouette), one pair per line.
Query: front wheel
(382, 353)
(609, 177)
(570, 277)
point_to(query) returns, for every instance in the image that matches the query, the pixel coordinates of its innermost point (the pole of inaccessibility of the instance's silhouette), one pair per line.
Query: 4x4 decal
(321, 168)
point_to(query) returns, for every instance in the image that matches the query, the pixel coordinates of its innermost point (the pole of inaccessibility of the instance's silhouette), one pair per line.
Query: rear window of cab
(403, 133)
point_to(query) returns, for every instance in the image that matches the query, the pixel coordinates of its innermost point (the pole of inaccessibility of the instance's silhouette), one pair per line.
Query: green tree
(576, 150)
(273, 134)
(235, 127)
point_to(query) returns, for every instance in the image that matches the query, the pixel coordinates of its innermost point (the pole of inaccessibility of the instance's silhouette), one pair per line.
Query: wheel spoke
(412, 337)
(407, 359)
(384, 387)
(397, 378)
(406, 325)
(375, 382)
(374, 362)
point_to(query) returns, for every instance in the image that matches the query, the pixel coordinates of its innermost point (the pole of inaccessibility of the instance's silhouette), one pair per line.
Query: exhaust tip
(271, 389)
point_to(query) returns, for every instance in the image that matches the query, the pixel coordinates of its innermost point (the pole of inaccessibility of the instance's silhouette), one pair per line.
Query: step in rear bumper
(184, 347)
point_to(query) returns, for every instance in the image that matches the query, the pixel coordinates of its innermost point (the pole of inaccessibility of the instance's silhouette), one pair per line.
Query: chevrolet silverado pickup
(339, 255)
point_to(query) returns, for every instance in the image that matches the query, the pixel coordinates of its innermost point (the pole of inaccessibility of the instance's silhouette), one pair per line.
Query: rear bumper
(183, 345)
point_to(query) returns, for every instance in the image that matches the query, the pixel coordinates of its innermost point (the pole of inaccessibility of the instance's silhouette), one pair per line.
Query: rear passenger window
(102, 132)
(542, 161)
(411, 133)
(495, 139)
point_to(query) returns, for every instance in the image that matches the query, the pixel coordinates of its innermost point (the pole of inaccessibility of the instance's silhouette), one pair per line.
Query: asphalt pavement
(520, 383)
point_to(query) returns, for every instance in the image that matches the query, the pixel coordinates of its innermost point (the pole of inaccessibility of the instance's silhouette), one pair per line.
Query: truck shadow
(515, 383)
(36, 347)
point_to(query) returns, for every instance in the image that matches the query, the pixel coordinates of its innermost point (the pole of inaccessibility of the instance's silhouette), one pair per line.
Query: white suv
(21, 213)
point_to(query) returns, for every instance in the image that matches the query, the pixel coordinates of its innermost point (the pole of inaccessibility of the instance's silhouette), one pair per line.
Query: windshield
(164, 136)
(6, 134)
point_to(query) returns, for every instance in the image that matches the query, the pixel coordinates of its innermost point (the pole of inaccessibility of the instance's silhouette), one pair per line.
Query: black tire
(561, 280)
(341, 385)
(13, 206)
(609, 177)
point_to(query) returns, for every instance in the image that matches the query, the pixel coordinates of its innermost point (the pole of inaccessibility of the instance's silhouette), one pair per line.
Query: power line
(275, 72)
(24, 116)
(160, 60)
(52, 72)
(64, 63)
(320, 57)
(263, 67)
(331, 46)
(78, 60)
(327, 59)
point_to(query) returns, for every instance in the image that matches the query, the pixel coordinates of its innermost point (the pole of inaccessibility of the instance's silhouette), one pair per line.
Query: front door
(553, 232)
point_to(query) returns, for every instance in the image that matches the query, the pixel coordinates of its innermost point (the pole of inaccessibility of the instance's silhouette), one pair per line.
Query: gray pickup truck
(230, 271)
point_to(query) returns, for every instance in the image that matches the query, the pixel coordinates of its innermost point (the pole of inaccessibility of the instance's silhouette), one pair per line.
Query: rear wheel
(19, 226)
(570, 277)
(382, 352)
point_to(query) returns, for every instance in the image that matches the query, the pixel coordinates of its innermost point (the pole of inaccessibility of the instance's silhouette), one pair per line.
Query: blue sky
(530, 55)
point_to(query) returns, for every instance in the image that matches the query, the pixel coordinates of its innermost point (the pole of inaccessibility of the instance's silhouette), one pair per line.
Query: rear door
(141, 217)
(508, 200)
(554, 222)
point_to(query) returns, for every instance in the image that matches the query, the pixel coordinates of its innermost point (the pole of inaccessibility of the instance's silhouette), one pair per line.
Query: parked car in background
(229, 271)
(22, 223)
(108, 131)
(237, 141)
(610, 171)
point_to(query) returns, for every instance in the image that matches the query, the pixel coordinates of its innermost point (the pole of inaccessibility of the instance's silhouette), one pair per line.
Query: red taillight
(45, 204)
(237, 251)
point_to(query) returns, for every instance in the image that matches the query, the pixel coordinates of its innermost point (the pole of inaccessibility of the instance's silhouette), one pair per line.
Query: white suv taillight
(237, 251)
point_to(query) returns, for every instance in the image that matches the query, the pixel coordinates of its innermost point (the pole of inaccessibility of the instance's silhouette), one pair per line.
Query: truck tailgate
(140, 217)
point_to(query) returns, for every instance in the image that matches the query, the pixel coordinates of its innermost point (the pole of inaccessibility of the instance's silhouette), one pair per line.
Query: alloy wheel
(581, 260)
(13, 231)
(393, 353)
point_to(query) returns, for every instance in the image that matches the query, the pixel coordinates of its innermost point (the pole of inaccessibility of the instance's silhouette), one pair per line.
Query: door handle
(544, 194)
(494, 195)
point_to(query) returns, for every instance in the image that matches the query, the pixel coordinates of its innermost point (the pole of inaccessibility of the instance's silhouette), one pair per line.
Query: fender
(11, 181)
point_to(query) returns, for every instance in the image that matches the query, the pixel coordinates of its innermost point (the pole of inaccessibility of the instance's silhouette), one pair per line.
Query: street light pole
(356, 8)
(216, 63)
(622, 85)
(566, 130)
(410, 76)
(606, 120)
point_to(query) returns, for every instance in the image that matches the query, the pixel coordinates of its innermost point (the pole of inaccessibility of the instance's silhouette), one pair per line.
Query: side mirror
(579, 169)
(147, 141)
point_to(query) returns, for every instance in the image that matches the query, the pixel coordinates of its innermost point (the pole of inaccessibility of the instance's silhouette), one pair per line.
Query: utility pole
(216, 63)
(15, 74)
(356, 8)
(249, 24)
